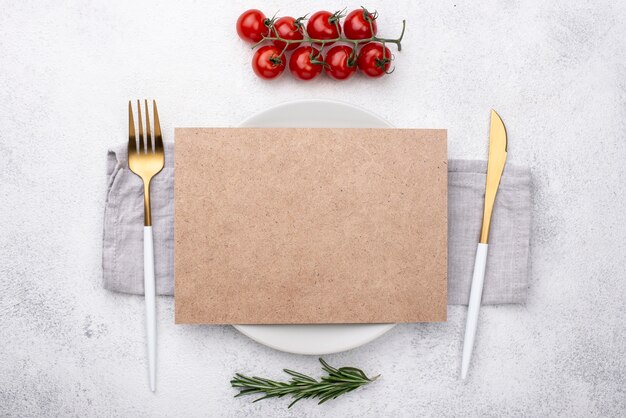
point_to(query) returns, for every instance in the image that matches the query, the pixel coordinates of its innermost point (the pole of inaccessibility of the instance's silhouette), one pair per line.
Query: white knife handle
(473, 307)
(150, 297)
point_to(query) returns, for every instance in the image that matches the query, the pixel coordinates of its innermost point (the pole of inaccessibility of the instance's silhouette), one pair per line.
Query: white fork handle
(150, 296)
(476, 293)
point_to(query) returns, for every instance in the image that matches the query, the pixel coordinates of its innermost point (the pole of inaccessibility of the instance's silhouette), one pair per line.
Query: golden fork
(146, 161)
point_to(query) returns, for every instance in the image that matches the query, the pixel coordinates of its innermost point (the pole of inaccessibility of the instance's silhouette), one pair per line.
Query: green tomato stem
(323, 42)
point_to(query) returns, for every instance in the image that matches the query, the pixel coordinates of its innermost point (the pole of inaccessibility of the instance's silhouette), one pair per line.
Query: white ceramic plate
(315, 339)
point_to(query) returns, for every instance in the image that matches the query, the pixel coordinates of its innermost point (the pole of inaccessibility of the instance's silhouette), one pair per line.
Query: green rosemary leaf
(338, 382)
(295, 400)
(353, 371)
(299, 375)
(246, 392)
(326, 367)
(342, 379)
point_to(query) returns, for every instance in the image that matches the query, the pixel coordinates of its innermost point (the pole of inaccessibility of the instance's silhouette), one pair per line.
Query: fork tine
(141, 147)
(148, 134)
(132, 143)
(158, 141)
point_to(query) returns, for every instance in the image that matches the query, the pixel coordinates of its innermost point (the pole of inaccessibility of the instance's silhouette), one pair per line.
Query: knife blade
(495, 167)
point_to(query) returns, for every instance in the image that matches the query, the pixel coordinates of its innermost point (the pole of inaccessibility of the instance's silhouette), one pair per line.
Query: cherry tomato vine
(359, 46)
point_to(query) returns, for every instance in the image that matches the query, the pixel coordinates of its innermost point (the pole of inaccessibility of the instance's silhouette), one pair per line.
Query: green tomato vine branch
(323, 42)
(355, 42)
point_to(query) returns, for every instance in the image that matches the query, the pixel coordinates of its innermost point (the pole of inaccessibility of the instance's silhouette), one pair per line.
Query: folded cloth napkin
(507, 276)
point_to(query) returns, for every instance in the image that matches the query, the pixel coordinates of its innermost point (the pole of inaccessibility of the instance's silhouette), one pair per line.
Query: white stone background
(555, 70)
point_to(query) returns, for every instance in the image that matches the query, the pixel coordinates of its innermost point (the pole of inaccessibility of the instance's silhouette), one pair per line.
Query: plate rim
(316, 100)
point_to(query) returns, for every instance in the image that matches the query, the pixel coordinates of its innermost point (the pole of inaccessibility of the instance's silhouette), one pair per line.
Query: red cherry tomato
(357, 24)
(251, 25)
(301, 65)
(324, 25)
(267, 62)
(288, 28)
(340, 62)
(372, 61)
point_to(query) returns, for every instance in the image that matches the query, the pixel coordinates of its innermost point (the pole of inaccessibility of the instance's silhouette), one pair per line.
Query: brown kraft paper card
(304, 226)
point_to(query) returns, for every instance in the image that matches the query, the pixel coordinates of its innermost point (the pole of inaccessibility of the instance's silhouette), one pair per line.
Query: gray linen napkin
(507, 275)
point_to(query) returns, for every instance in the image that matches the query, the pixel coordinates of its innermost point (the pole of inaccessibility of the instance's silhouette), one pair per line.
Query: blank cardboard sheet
(298, 226)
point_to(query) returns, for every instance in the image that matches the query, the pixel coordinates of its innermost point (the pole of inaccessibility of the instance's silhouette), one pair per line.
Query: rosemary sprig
(338, 382)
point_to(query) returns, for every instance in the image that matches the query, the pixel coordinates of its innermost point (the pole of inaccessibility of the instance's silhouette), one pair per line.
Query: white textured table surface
(554, 70)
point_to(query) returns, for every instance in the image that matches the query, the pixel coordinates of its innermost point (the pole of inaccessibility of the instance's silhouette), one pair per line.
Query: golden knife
(495, 167)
